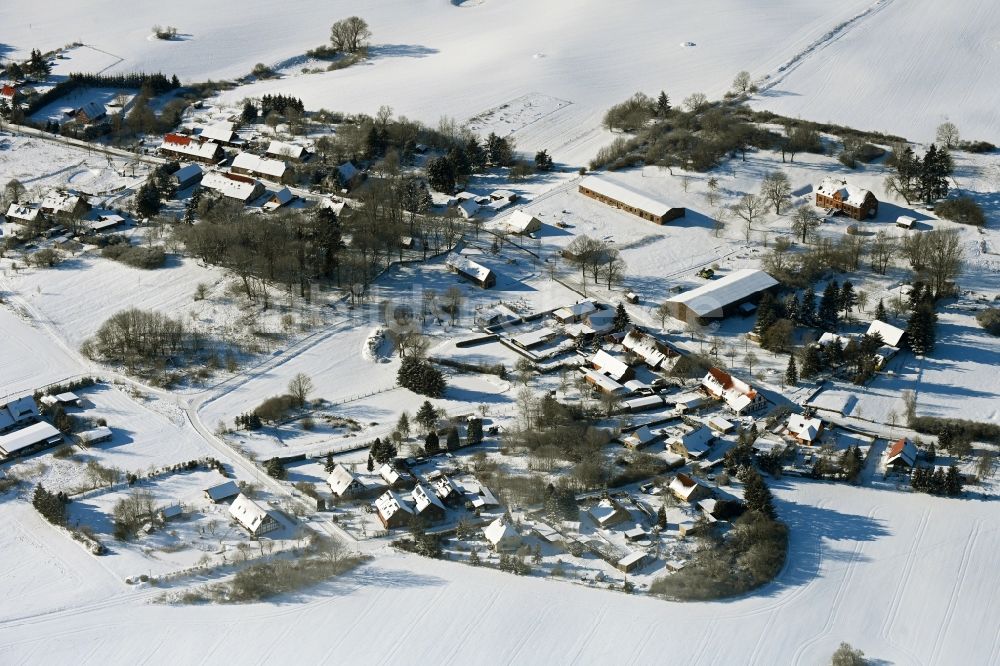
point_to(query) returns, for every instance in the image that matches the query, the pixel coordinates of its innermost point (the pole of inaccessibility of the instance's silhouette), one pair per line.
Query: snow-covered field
(899, 576)
(903, 69)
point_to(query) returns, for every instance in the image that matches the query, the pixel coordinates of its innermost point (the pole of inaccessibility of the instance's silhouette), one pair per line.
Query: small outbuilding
(222, 492)
(523, 223)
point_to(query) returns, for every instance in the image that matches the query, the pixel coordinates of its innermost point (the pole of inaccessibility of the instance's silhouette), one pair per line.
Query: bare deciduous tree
(749, 208)
(300, 387)
(776, 189)
(350, 35)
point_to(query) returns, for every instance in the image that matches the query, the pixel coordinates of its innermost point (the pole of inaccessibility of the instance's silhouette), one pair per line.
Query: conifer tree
(662, 104)
(807, 309)
(432, 444)
(427, 416)
(329, 465)
(812, 363)
(621, 321)
(848, 298)
(829, 305)
(791, 372)
(880, 313)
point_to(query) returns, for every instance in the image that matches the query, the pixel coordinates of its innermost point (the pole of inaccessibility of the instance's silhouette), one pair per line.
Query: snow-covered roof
(851, 194)
(689, 400)
(248, 513)
(803, 428)
(389, 473)
(503, 194)
(501, 532)
(171, 511)
(283, 149)
(443, 487)
(185, 145)
(341, 480)
(694, 441)
(18, 411)
(222, 491)
(645, 402)
(890, 334)
(684, 486)
(709, 299)
(625, 195)
(607, 512)
(390, 503)
(632, 558)
(903, 450)
(605, 383)
(220, 131)
(610, 365)
(23, 212)
(640, 437)
(828, 339)
(468, 267)
(95, 435)
(523, 223)
(27, 437)
(736, 393)
(93, 110)
(188, 172)
(468, 208)
(905, 221)
(280, 198)
(533, 338)
(232, 185)
(58, 201)
(719, 424)
(484, 498)
(646, 347)
(423, 498)
(575, 311)
(260, 165)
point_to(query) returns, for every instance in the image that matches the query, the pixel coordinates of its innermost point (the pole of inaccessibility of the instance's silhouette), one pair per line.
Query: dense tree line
(919, 179)
(52, 506)
(418, 375)
(138, 337)
(937, 481)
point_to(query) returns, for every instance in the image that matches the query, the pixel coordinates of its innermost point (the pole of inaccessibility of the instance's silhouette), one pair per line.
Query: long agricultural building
(629, 200)
(721, 298)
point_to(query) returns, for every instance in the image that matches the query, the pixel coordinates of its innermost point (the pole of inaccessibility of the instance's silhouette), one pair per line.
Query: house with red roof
(740, 397)
(901, 456)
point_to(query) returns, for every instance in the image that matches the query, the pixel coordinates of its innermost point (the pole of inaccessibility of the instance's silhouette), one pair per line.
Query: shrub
(963, 210)
(262, 71)
(138, 257)
(45, 258)
(977, 146)
(989, 319)
(421, 377)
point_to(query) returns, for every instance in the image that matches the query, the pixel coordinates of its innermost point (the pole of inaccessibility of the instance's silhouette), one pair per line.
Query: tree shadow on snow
(400, 51)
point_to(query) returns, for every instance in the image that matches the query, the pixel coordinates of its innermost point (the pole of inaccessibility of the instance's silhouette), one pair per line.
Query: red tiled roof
(179, 139)
(686, 480)
(721, 377)
(8, 91)
(897, 448)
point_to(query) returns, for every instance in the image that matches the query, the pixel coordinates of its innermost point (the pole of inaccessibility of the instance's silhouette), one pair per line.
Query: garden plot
(42, 165)
(204, 533)
(62, 109)
(509, 117)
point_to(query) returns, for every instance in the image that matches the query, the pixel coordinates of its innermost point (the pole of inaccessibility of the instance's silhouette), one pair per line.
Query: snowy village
(357, 326)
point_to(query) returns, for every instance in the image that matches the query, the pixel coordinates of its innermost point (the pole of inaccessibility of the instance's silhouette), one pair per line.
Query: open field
(894, 574)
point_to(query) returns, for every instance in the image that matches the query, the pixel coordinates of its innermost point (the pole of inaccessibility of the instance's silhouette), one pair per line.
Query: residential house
(502, 536)
(343, 483)
(220, 132)
(643, 403)
(29, 439)
(89, 113)
(186, 176)
(804, 430)
(605, 384)
(740, 397)
(720, 425)
(445, 489)
(693, 443)
(574, 313)
(901, 456)
(652, 352)
(282, 150)
(471, 271)
(65, 399)
(628, 200)
(393, 511)
(536, 338)
(523, 223)
(484, 498)
(179, 145)
(686, 402)
(8, 95)
(891, 335)
(58, 202)
(252, 516)
(18, 413)
(632, 562)
(639, 438)
(394, 477)
(608, 513)
(222, 492)
(233, 186)
(721, 298)
(688, 489)
(613, 367)
(22, 213)
(282, 197)
(467, 208)
(427, 505)
(856, 202)
(249, 164)
(348, 175)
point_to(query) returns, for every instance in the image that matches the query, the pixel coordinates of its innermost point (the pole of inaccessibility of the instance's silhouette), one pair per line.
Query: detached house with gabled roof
(393, 511)
(428, 505)
(18, 413)
(901, 456)
(252, 516)
(803, 430)
(838, 195)
(688, 489)
(178, 145)
(740, 397)
(343, 483)
(502, 536)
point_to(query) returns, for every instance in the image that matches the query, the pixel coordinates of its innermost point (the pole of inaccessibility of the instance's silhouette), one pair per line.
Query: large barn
(856, 202)
(629, 200)
(721, 298)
